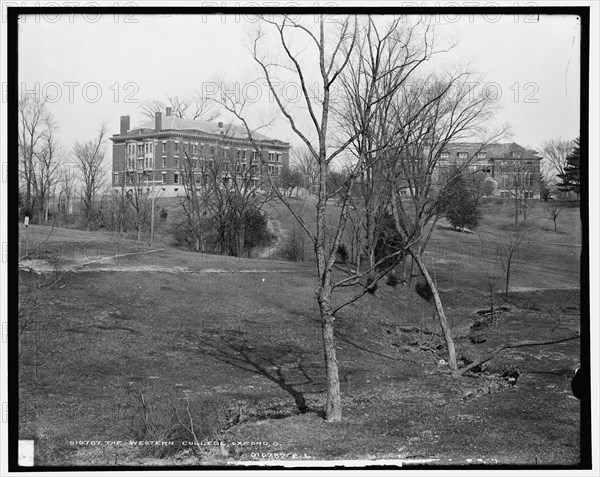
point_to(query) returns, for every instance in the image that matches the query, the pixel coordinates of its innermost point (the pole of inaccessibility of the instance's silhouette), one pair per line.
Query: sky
(98, 68)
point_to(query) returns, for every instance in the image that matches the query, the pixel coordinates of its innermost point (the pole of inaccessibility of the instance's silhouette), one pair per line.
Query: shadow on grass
(279, 364)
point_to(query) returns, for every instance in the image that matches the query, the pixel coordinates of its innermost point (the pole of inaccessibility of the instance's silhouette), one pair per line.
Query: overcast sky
(96, 69)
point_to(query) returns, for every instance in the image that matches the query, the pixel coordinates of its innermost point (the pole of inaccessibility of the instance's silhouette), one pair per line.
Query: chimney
(124, 125)
(220, 124)
(169, 110)
(158, 121)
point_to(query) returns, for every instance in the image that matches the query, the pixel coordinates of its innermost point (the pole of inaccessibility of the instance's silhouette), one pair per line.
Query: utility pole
(152, 199)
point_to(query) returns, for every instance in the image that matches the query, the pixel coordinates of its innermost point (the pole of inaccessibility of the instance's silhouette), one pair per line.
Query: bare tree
(431, 115)
(556, 152)
(511, 246)
(334, 45)
(303, 160)
(66, 184)
(553, 208)
(45, 170)
(35, 127)
(194, 107)
(291, 179)
(222, 186)
(139, 200)
(89, 157)
(519, 179)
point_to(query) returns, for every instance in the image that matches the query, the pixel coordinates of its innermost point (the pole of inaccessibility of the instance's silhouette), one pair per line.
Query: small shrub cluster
(424, 290)
(392, 280)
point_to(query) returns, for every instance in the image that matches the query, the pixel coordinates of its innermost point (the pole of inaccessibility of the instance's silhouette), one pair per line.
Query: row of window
(201, 179)
(203, 149)
(146, 163)
(480, 155)
(146, 147)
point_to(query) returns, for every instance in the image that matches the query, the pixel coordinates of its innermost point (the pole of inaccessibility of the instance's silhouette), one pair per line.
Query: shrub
(163, 214)
(342, 253)
(257, 233)
(392, 280)
(293, 247)
(371, 289)
(424, 290)
(389, 241)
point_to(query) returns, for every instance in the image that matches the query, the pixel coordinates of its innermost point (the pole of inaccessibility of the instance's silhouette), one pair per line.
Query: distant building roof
(493, 151)
(209, 127)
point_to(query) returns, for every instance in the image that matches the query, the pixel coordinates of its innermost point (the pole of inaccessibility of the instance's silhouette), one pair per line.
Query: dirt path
(274, 227)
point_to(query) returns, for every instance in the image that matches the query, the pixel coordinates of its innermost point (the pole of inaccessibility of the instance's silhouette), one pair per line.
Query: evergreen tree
(460, 205)
(571, 179)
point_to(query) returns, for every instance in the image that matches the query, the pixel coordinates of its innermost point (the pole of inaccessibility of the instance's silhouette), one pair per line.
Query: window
(116, 177)
(271, 156)
(278, 157)
(462, 155)
(185, 146)
(444, 155)
(176, 178)
(254, 156)
(164, 146)
(212, 150)
(164, 177)
(140, 163)
(151, 147)
(139, 178)
(194, 148)
(164, 158)
(515, 154)
(140, 149)
(145, 147)
(175, 161)
(481, 155)
(176, 146)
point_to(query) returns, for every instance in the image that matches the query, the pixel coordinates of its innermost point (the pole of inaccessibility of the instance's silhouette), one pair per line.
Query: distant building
(505, 169)
(154, 154)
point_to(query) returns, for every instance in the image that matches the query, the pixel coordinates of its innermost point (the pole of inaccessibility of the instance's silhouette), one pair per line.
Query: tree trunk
(440, 311)
(333, 406)
(507, 280)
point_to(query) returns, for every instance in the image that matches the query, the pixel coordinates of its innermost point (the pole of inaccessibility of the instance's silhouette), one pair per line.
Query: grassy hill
(126, 342)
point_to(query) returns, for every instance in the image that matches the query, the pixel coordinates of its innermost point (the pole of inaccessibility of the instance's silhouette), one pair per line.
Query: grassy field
(123, 342)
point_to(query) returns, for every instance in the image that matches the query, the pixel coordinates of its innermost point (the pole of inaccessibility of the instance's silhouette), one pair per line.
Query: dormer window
(462, 155)
(444, 155)
(515, 154)
(481, 155)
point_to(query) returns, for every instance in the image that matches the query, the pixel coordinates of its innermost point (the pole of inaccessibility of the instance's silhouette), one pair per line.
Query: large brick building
(155, 153)
(507, 168)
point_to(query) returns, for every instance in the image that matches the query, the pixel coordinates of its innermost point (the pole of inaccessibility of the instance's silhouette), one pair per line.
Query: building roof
(208, 127)
(493, 151)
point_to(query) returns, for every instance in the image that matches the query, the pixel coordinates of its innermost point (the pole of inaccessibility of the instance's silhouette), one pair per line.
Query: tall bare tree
(89, 158)
(35, 127)
(431, 115)
(46, 169)
(331, 46)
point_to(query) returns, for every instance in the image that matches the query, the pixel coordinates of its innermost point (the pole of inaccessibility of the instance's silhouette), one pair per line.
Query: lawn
(128, 343)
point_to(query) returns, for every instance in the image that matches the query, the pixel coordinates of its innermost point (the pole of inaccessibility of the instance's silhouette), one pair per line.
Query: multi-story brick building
(507, 168)
(156, 153)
